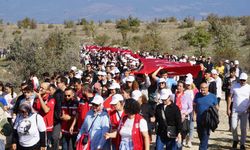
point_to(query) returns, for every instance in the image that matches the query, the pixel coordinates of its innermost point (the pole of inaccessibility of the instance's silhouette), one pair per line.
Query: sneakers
(235, 143)
(242, 147)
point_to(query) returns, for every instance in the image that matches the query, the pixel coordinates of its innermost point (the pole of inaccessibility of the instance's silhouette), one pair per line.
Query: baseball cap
(162, 80)
(130, 78)
(114, 86)
(136, 94)
(188, 81)
(73, 68)
(189, 75)
(165, 94)
(236, 62)
(116, 98)
(214, 71)
(243, 76)
(97, 100)
(99, 73)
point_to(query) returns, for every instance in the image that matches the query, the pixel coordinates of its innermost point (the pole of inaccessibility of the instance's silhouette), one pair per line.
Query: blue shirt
(97, 131)
(3, 101)
(169, 82)
(203, 103)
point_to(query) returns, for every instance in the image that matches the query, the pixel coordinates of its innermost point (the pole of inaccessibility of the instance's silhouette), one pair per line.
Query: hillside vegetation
(34, 45)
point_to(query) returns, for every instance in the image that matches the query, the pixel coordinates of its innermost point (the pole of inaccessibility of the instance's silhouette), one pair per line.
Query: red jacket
(47, 117)
(137, 138)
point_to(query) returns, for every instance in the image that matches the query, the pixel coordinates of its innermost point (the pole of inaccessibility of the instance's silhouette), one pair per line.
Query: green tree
(199, 37)
(57, 52)
(90, 29)
(125, 26)
(68, 24)
(152, 40)
(101, 39)
(27, 23)
(247, 32)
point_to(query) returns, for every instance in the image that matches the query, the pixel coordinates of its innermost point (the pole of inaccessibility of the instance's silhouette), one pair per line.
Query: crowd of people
(107, 105)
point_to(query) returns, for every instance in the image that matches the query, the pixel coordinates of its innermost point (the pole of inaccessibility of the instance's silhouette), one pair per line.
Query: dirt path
(221, 139)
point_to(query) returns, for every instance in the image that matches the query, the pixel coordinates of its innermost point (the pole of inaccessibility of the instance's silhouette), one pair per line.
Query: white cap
(133, 63)
(188, 81)
(97, 100)
(114, 86)
(214, 71)
(80, 72)
(112, 64)
(78, 76)
(189, 75)
(130, 79)
(99, 73)
(226, 61)
(236, 62)
(103, 73)
(136, 94)
(162, 80)
(116, 98)
(243, 76)
(117, 71)
(73, 68)
(165, 94)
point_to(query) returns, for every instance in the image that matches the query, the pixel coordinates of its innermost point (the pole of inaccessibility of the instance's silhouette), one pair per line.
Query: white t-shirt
(10, 101)
(240, 96)
(219, 87)
(126, 130)
(28, 129)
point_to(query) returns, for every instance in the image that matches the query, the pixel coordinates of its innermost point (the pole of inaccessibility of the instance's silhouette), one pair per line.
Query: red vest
(82, 110)
(47, 117)
(137, 138)
(178, 97)
(70, 108)
(115, 124)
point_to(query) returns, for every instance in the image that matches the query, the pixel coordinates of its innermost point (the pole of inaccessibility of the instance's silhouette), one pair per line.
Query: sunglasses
(242, 80)
(22, 111)
(67, 95)
(95, 105)
(162, 83)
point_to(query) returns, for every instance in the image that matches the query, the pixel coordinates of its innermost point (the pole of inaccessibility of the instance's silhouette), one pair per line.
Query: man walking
(239, 94)
(203, 100)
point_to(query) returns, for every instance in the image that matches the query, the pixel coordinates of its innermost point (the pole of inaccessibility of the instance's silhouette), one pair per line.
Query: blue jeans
(68, 141)
(203, 134)
(171, 144)
(191, 131)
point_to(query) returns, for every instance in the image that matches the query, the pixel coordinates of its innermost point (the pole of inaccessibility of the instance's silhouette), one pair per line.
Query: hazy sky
(56, 11)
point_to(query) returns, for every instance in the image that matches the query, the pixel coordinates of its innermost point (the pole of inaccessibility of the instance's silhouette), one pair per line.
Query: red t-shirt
(47, 117)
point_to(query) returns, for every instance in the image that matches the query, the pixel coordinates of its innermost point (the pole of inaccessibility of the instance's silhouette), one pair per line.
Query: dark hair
(28, 88)
(131, 106)
(26, 107)
(233, 69)
(163, 71)
(9, 85)
(63, 79)
(2, 85)
(78, 81)
(52, 86)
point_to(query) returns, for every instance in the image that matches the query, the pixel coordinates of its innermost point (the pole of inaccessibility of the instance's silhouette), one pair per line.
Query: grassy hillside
(169, 32)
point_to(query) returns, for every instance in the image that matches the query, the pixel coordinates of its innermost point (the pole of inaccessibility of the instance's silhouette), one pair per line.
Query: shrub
(68, 24)
(101, 39)
(50, 26)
